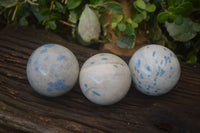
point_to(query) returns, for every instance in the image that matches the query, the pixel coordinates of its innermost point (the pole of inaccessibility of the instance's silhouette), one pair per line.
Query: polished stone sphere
(52, 70)
(155, 70)
(105, 79)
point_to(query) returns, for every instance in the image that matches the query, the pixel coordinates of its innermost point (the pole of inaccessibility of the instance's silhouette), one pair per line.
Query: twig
(66, 23)
(64, 1)
(33, 2)
(14, 14)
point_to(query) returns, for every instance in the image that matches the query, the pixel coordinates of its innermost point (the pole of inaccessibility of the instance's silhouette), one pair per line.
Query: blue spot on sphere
(29, 61)
(104, 58)
(56, 75)
(135, 68)
(141, 76)
(38, 68)
(58, 85)
(49, 45)
(61, 57)
(85, 85)
(36, 60)
(46, 58)
(157, 73)
(161, 62)
(49, 89)
(115, 66)
(162, 72)
(138, 71)
(148, 68)
(96, 93)
(154, 53)
(43, 51)
(53, 65)
(138, 63)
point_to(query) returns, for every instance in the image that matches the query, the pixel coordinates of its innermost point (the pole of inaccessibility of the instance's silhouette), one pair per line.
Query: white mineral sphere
(52, 70)
(105, 79)
(155, 70)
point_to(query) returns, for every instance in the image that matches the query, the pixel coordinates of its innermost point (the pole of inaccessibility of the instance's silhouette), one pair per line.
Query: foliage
(173, 23)
(127, 26)
(183, 32)
(89, 26)
(183, 26)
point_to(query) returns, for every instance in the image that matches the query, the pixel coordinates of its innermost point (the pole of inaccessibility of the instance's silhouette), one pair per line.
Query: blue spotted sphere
(52, 70)
(155, 70)
(105, 79)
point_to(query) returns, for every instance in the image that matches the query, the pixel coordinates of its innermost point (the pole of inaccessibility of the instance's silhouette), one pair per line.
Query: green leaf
(151, 8)
(170, 2)
(95, 2)
(183, 32)
(43, 3)
(140, 4)
(129, 20)
(162, 17)
(39, 16)
(114, 22)
(116, 31)
(72, 4)
(114, 8)
(171, 9)
(89, 27)
(8, 3)
(129, 30)
(138, 18)
(176, 10)
(135, 25)
(73, 17)
(59, 7)
(121, 27)
(126, 41)
(52, 25)
(185, 8)
(178, 20)
(113, 25)
(55, 16)
(119, 19)
(23, 21)
(192, 59)
(196, 27)
(137, 8)
(45, 11)
(172, 16)
(144, 13)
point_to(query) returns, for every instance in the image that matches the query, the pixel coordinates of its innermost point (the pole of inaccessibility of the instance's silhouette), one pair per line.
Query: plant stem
(32, 2)
(14, 14)
(66, 23)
